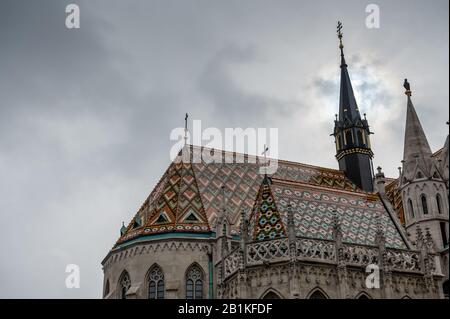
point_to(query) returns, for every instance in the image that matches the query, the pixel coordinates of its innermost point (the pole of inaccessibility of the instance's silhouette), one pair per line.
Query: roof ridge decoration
(267, 222)
(258, 158)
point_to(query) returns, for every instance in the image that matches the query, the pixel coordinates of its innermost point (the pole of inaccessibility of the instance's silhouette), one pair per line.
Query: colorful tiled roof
(195, 189)
(314, 207)
(394, 195)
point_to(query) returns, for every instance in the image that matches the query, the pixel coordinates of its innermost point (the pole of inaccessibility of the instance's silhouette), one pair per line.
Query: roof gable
(265, 220)
(314, 207)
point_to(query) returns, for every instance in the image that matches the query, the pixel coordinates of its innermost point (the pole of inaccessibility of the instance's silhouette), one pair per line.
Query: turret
(424, 191)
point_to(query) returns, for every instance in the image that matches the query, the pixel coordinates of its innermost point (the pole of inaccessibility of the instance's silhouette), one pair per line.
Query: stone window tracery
(194, 283)
(156, 283)
(125, 284)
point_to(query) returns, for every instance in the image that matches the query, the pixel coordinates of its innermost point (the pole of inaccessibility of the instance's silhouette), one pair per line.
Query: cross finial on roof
(185, 128)
(266, 149)
(340, 36)
(339, 30)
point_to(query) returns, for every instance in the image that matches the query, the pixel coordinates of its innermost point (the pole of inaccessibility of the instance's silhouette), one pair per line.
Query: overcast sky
(85, 114)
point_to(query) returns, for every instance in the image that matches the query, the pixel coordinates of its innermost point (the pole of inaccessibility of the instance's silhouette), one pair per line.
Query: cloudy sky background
(85, 115)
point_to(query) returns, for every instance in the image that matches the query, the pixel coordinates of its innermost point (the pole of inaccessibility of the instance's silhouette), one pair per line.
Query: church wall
(432, 220)
(323, 278)
(174, 257)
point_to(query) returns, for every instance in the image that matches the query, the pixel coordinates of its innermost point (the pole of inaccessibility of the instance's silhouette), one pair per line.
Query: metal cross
(185, 128)
(339, 28)
(266, 149)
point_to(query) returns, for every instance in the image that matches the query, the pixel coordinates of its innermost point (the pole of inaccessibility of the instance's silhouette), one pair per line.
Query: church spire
(351, 133)
(417, 152)
(348, 108)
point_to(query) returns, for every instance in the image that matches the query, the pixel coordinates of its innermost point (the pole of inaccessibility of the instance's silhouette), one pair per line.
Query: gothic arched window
(363, 296)
(411, 208)
(439, 203)
(360, 138)
(445, 288)
(194, 282)
(106, 288)
(124, 284)
(155, 283)
(318, 295)
(271, 295)
(339, 143)
(349, 138)
(423, 198)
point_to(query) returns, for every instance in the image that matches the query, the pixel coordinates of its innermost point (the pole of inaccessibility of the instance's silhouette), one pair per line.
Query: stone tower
(423, 186)
(353, 150)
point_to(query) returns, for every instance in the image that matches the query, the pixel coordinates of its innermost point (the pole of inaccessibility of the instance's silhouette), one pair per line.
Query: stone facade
(174, 257)
(281, 268)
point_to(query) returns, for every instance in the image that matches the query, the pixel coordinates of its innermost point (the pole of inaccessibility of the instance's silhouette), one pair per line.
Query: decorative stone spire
(417, 152)
(123, 229)
(337, 232)
(291, 223)
(379, 237)
(223, 213)
(244, 227)
(380, 181)
(429, 241)
(420, 240)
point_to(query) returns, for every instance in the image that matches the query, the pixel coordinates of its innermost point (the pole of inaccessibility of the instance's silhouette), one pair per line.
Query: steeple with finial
(417, 154)
(353, 149)
(423, 190)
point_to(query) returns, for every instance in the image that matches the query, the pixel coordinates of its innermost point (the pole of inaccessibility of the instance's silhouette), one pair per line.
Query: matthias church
(223, 230)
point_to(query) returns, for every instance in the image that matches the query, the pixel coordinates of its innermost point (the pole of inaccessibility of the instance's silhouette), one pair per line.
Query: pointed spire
(244, 228)
(291, 223)
(417, 151)
(379, 235)
(348, 108)
(352, 135)
(336, 230)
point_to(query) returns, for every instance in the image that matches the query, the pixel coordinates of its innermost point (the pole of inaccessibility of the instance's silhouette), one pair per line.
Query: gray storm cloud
(86, 114)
